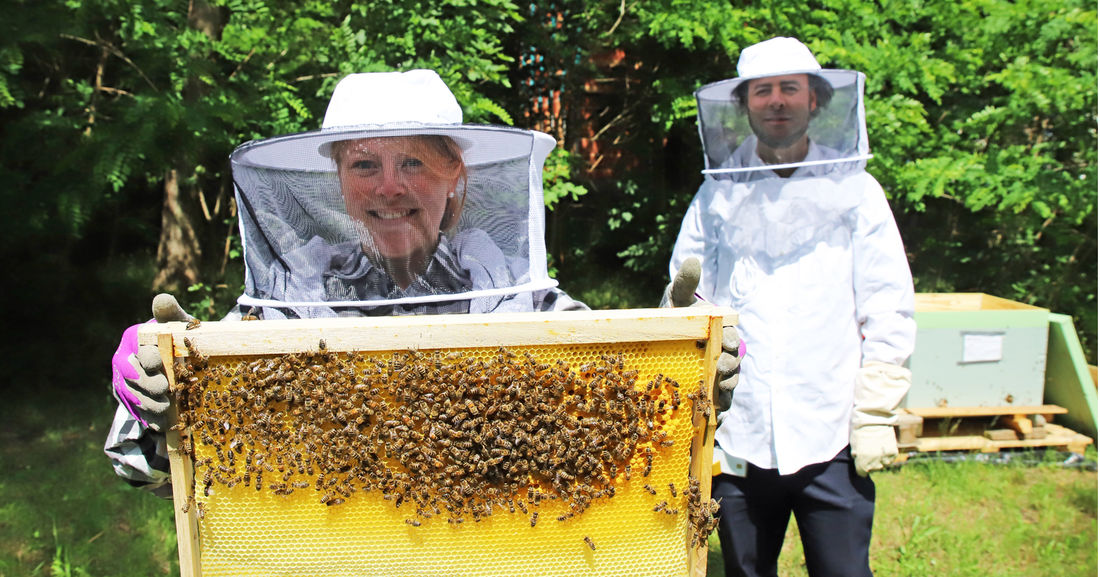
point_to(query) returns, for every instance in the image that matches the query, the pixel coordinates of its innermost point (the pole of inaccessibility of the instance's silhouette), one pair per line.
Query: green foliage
(982, 119)
(211, 303)
(555, 178)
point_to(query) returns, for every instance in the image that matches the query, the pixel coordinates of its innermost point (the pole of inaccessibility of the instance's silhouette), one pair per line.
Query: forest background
(117, 118)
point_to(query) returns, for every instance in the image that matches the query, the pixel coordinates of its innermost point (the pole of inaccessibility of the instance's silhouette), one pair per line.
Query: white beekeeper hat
(376, 104)
(780, 55)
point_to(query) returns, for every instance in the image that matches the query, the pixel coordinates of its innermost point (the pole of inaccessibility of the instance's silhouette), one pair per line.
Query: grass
(63, 511)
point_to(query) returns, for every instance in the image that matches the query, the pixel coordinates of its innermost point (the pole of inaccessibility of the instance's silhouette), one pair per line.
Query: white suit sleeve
(698, 238)
(883, 282)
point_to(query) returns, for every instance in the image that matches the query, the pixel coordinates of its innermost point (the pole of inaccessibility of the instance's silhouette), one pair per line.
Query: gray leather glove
(681, 293)
(139, 380)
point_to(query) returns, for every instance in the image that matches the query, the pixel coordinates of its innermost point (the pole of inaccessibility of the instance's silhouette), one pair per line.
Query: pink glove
(137, 373)
(122, 372)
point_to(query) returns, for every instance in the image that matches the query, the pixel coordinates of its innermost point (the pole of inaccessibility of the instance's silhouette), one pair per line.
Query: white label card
(983, 347)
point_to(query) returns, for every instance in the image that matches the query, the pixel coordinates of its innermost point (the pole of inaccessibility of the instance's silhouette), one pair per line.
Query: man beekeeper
(790, 231)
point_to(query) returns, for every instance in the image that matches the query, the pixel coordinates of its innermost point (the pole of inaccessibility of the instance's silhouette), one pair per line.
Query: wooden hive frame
(700, 325)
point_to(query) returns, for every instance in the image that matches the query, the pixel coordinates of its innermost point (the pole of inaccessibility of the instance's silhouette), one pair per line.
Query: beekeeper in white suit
(790, 231)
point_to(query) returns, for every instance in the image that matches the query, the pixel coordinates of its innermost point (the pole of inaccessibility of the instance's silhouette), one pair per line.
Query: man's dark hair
(819, 85)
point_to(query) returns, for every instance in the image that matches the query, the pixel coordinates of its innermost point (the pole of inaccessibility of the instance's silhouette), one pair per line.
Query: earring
(451, 194)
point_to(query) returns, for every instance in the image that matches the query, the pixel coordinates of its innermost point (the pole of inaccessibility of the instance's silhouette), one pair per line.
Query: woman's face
(397, 188)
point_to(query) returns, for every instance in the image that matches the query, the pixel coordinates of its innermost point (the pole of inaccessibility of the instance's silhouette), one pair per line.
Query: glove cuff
(880, 387)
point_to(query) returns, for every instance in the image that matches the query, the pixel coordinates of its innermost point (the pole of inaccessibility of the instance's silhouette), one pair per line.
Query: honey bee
(588, 541)
(534, 518)
(193, 324)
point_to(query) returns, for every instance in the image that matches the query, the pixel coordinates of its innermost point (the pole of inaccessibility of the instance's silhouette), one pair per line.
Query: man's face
(779, 108)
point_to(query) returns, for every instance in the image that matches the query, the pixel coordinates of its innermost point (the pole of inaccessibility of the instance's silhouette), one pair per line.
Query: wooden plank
(909, 427)
(947, 301)
(440, 331)
(1056, 437)
(946, 412)
(938, 302)
(702, 445)
(1019, 423)
(187, 524)
(1001, 435)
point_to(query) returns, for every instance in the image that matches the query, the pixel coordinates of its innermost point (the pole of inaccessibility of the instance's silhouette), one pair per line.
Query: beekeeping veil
(773, 220)
(392, 205)
(837, 131)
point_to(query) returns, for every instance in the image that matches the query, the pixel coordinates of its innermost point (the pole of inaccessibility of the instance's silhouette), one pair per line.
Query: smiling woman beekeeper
(394, 207)
(792, 233)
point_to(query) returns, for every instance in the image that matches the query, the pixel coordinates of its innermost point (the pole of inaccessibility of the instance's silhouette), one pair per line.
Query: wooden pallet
(984, 429)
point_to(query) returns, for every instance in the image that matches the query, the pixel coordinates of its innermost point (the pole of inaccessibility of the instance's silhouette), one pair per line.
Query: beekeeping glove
(681, 293)
(880, 388)
(138, 376)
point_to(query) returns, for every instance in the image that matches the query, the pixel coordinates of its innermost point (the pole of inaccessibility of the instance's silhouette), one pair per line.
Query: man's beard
(777, 141)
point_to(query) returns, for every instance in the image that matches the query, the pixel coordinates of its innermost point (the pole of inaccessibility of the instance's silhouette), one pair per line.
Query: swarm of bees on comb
(447, 435)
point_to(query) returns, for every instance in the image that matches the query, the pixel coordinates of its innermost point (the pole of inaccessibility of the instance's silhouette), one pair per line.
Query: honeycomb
(329, 464)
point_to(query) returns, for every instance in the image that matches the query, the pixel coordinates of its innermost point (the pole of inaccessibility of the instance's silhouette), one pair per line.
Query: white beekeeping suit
(806, 250)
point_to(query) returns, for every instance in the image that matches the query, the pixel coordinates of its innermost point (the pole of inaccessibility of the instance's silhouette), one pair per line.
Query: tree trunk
(179, 252)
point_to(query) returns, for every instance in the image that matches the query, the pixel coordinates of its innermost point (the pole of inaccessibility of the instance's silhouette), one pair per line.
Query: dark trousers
(832, 505)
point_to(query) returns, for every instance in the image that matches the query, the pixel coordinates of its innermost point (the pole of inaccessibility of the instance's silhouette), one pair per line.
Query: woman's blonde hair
(442, 156)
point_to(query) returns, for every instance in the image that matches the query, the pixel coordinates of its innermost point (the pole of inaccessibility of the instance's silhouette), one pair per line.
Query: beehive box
(977, 350)
(526, 444)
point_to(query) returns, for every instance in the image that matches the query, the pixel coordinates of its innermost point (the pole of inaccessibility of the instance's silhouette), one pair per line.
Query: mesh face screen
(400, 218)
(827, 106)
(462, 462)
